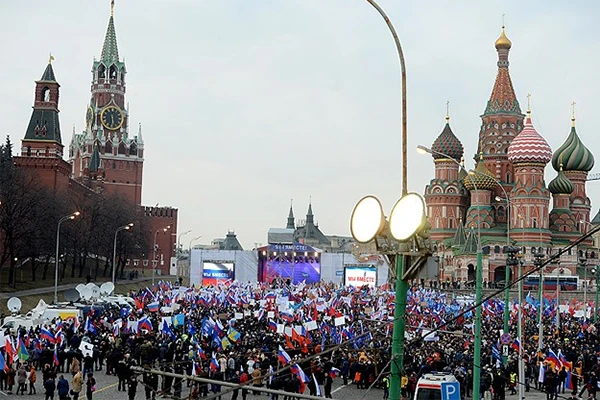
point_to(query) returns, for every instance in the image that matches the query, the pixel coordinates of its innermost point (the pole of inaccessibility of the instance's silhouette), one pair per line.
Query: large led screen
(360, 275)
(214, 273)
(296, 263)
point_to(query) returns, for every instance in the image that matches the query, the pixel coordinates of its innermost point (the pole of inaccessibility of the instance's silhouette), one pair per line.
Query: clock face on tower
(89, 116)
(112, 118)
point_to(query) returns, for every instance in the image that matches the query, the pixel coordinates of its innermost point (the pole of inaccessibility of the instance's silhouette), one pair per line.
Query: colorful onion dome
(481, 179)
(561, 184)
(447, 144)
(573, 155)
(503, 42)
(529, 146)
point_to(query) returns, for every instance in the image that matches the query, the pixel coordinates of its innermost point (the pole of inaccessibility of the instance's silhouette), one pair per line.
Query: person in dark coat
(63, 388)
(49, 388)
(132, 387)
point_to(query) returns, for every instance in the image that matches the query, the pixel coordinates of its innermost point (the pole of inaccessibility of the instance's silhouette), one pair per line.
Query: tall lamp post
(403, 234)
(596, 272)
(154, 260)
(478, 281)
(179, 241)
(60, 221)
(119, 229)
(401, 280)
(583, 263)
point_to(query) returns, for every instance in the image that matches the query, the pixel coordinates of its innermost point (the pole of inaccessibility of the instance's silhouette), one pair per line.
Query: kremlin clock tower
(105, 154)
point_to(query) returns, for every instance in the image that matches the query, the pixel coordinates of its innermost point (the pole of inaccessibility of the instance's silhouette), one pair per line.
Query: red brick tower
(42, 148)
(501, 122)
(445, 195)
(107, 127)
(529, 153)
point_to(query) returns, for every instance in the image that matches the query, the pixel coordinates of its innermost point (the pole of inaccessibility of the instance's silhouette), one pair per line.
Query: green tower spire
(110, 51)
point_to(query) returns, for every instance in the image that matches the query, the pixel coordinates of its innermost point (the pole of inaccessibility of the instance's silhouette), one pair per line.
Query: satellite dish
(86, 293)
(107, 288)
(79, 287)
(72, 295)
(14, 305)
(95, 292)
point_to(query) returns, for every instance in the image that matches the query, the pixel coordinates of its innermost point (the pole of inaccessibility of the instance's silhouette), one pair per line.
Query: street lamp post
(119, 229)
(179, 241)
(401, 284)
(154, 260)
(60, 221)
(583, 263)
(596, 272)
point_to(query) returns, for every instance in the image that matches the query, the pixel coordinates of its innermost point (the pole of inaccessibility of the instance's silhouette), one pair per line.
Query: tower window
(45, 94)
(28, 151)
(122, 149)
(133, 150)
(108, 148)
(101, 71)
(113, 72)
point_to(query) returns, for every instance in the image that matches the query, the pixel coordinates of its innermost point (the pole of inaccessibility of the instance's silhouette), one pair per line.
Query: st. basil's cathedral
(505, 200)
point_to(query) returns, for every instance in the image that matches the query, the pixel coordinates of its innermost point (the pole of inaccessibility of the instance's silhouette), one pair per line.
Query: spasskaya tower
(105, 152)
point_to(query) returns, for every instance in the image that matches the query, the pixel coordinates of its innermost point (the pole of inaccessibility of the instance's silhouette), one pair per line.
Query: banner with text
(360, 275)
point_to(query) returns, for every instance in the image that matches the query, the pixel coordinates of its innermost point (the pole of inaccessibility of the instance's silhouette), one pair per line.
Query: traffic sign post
(505, 338)
(505, 350)
(450, 390)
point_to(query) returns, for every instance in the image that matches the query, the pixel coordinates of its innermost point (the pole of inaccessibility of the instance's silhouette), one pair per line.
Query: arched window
(497, 249)
(113, 72)
(122, 148)
(45, 94)
(534, 222)
(108, 149)
(101, 71)
(133, 150)
(451, 223)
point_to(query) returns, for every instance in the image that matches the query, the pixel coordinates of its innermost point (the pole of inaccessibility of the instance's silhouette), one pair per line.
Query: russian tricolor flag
(283, 357)
(214, 364)
(516, 345)
(287, 316)
(144, 323)
(272, 325)
(47, 335)
(153, 307)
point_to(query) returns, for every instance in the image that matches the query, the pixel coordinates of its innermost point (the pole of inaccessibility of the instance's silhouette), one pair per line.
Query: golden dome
(503, 42)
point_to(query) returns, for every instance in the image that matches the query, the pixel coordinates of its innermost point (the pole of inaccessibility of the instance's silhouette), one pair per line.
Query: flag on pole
(89, 326)
(318, 389)
(23, 354)
(55, 358)
(283, 356)
(3, 365)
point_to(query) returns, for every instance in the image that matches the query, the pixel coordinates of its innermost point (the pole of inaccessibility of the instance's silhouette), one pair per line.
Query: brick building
(506, 198)
(103, 159)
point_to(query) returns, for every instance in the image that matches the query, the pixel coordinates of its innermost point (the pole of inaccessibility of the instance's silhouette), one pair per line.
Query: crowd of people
(294, 338)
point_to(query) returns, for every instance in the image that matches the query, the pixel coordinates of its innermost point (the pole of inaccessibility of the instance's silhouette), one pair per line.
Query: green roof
(110, 51)
(48, 75)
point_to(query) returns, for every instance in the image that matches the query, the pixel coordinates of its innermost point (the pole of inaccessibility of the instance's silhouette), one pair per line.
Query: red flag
(288, 342)
(10, 351)
(297, 338)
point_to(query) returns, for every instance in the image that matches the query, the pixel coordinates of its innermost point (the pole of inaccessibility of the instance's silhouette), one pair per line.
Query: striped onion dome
(561, 184)
(573, 155)
(529, 146)
(481, 179)
(447, 145)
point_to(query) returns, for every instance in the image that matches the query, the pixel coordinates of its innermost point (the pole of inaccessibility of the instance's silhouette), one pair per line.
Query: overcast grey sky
(248, 103)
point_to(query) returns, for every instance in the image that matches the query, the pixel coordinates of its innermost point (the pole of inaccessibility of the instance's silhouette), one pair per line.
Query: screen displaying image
(214, 273)
(298, 263)
(360, 275)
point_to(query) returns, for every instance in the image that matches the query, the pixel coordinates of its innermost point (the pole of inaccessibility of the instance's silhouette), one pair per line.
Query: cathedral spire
(503, 99)
(110, 52)
(309, 214)
(290, 220)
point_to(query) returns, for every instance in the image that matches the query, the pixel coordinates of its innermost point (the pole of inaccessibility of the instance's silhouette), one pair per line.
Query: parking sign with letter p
(450, 391)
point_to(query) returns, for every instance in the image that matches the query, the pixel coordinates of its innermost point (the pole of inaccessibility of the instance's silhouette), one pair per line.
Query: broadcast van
(13, 322)
(437, 386)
